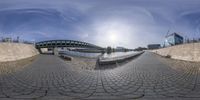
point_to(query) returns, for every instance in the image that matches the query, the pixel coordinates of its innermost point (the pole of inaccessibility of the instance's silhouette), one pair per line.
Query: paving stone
(145, 78)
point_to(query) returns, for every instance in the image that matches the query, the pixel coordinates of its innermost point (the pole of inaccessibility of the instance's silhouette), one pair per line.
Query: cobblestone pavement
(13, 66)
(146, 77)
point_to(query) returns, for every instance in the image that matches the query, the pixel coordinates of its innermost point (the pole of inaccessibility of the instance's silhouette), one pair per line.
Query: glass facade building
(173, 39)
(153, 46)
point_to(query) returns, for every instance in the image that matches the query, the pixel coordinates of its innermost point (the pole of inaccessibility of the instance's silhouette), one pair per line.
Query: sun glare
(113, 37)
(113, 33)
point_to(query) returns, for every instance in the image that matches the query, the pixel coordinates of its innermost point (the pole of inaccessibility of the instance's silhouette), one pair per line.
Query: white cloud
(131, 22)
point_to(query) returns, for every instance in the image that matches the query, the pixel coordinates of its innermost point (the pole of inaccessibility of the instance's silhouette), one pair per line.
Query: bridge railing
(64, 43)
(14, 41)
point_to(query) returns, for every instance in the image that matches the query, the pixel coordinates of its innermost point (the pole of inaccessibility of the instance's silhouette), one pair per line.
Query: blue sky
(128, 23)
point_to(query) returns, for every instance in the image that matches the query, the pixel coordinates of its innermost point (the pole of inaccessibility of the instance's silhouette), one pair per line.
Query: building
(153, 46)
(120, 49)
(140, 49)
(173, 39)
(7, 39)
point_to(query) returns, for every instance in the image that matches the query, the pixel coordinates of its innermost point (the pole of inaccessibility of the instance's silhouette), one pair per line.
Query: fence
(10, 40)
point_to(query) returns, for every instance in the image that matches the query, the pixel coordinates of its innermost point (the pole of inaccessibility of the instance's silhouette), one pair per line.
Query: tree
(109, 50)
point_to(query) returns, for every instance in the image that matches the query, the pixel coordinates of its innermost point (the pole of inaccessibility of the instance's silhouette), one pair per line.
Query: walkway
(145, 77)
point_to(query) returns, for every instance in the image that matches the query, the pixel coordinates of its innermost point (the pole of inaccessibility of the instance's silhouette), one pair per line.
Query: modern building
(153, 46)
(173, 39)
(120, 49)
(7, 39)
(140, 49)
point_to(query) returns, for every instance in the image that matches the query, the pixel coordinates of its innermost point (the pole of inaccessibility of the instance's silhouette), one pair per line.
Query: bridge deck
(145, 77)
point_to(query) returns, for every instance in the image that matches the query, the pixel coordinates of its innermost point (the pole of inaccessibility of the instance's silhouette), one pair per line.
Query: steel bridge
(66, 43)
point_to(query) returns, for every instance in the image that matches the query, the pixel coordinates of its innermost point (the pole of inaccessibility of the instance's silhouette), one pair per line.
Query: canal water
(96, 55)
(80, 54)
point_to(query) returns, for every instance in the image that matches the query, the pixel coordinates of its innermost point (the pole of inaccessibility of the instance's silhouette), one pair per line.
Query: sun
(113, 37)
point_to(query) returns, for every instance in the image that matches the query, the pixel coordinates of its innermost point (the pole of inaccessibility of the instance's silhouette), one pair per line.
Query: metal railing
(16, 41)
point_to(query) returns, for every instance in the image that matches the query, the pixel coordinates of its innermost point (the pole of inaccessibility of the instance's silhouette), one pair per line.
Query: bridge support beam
(55, 51)
(40, 51)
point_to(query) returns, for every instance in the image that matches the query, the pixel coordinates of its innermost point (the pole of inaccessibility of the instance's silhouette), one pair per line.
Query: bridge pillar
(40, 51)
(55, 51)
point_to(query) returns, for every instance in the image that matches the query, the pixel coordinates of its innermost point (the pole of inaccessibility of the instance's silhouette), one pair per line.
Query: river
(96, 55)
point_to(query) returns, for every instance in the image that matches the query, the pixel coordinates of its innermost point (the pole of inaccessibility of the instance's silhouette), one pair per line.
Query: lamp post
(1, 37)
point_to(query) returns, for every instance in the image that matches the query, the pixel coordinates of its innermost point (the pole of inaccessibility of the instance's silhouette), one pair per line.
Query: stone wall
(188, 52)
(16, 51)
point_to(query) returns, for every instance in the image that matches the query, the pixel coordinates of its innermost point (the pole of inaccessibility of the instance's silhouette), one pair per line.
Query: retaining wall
(16, 51)
(188, 52)
(118, 59)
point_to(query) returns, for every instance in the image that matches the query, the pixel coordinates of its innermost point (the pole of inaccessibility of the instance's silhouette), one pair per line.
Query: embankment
(16, 51)
(187, 52)
(103, 61)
